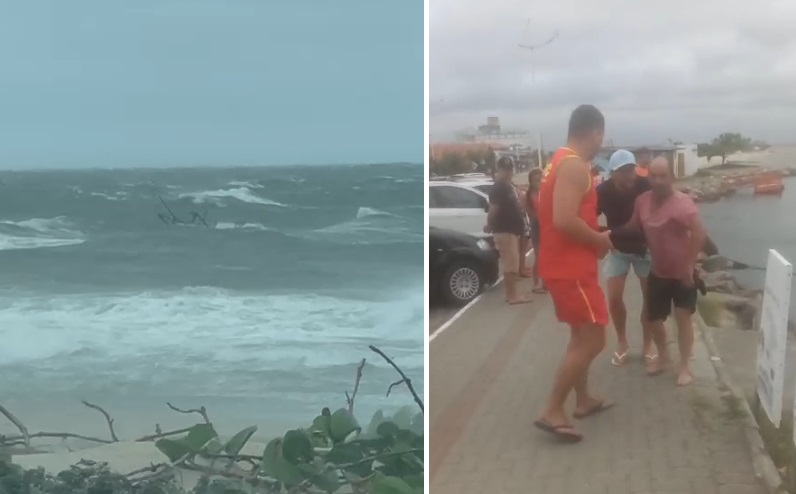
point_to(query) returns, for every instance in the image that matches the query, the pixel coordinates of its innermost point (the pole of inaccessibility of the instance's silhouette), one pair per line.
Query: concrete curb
(763, 464)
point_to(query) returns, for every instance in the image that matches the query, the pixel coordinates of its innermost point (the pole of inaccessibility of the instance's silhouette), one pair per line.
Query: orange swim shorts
(578, 302)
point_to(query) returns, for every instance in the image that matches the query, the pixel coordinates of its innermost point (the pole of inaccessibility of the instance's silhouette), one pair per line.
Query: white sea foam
(364, 212)
(168, 337)
(243, 194)
(243, 183)
(38, 233)
(225, 225)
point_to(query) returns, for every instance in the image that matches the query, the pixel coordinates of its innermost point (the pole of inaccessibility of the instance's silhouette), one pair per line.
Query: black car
(460, 265)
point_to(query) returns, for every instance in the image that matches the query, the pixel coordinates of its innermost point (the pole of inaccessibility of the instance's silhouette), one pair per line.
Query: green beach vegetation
(333, 454)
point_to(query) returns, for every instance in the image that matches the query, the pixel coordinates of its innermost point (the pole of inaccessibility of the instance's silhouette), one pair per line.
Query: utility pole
(532, 48)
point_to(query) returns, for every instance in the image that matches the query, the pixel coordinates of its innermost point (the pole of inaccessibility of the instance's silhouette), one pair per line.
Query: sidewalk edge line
(459, 313)
(762, 463)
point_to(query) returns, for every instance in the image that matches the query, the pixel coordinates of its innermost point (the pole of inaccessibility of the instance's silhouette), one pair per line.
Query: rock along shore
(728, 304)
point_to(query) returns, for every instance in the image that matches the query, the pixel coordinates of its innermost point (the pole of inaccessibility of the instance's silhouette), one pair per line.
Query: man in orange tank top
(571, 247)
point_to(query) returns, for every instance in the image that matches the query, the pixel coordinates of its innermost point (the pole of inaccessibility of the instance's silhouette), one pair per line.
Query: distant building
(682, 157)
(493, 134)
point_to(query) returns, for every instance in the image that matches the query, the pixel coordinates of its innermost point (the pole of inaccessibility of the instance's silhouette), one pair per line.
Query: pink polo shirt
(667, 227)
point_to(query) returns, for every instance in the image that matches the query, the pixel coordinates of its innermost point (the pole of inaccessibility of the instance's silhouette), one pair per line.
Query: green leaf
(404, 440)
(239, 440)
(297, 447)
(277, 467)
(321, 424)
(214, 447)
(391, 485)
(414, 480)
(403, 417)
(387, 429)
(418, 425)
(344, 453)
(199, 436)
(321, 477)
(377, 419)
(174, 449)
(341, 425)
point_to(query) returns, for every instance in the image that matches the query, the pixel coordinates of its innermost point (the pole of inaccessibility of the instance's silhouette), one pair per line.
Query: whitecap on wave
(243, 194)
(228, 225)
(224, 331)
(38, 233)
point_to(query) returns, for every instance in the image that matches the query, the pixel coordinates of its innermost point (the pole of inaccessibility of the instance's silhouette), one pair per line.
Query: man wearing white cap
(616, 198)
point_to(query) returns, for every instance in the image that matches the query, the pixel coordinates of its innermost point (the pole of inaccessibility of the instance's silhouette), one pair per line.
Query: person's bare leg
(685, 340)
(584, 346)
(664, 361)
(524, 246)
(584, 400)
(646, 346)
(510, 280)
(616, 306)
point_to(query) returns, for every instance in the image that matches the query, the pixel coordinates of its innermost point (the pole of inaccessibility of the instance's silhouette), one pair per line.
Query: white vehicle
(480, 184)
(456, 206)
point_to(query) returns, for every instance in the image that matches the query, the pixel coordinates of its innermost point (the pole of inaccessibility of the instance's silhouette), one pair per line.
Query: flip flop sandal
(619, 359)
(564, 433)
(520, 302)
(594, 409)
(650, 358)
(540, 291)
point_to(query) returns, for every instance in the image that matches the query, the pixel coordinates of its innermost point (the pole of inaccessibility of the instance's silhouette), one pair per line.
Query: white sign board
(773, 336)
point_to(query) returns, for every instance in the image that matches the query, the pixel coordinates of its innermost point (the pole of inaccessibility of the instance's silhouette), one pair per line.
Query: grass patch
(702, 409)
(732, 407)
(778, 441)
(710, 309)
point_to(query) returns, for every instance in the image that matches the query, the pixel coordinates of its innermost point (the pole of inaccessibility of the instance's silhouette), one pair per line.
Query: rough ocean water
(262, 316)
(745, 226)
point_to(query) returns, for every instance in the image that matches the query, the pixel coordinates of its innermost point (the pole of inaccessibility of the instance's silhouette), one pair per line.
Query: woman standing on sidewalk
(531, 207)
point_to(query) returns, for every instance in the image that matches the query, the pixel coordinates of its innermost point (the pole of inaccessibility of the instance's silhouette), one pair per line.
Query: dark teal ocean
(269, 307)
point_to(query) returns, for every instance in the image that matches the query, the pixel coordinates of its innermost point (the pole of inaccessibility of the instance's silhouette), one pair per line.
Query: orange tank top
(560, 257)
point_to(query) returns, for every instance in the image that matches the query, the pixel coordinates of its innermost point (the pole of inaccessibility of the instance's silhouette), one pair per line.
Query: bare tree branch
(350, 399)
(404, 379)
(17, 423)
(159, 434)
(201, 411)
(107, 416)
(10, 440)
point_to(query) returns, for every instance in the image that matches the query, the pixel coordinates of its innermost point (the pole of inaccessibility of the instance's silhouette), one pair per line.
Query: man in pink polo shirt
(675, 236)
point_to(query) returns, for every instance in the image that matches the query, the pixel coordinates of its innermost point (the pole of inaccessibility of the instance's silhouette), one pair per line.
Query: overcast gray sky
(210, 82)
(680, 69)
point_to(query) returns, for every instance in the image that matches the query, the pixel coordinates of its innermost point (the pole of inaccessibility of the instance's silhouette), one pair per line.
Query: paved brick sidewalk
(490, 373)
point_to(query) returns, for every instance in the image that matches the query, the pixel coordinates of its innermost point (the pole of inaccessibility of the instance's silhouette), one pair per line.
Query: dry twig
(201, 411)
(108, 419)
(18, 424)
(350, 399)
(404, 378)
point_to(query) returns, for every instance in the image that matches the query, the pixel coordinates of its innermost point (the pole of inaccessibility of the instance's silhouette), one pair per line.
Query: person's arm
(494, 206)
(633, 225)
(572, 182)
(600, 199)
(690, 216)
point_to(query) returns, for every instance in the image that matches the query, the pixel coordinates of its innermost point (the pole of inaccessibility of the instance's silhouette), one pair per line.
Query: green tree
(724, 145)
(451, 164)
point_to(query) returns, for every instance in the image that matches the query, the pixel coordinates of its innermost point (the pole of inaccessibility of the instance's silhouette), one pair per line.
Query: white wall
(689, 152)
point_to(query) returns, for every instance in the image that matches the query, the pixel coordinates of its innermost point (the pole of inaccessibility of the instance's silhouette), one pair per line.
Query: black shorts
(535, 232)
(663, 292)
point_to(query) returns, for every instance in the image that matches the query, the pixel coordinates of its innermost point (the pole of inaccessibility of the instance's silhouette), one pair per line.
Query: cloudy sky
(679, 69)
(210, 82)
